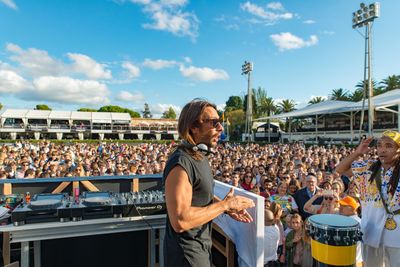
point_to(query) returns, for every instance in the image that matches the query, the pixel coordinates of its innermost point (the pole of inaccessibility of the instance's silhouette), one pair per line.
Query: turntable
(42, 208)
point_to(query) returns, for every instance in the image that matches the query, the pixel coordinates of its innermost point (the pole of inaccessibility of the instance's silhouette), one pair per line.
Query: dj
(189, 186)
(378, 183)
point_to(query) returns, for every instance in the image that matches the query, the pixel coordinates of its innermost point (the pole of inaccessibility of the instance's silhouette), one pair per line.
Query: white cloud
(133, 71)
(68, 90)
(265, 15)
(167, 15)
(187, 60)
(309, 21)
(34, 61)
(158, 63)
(203, 74)
(159, 109)
(275, 6)
(12, 83)
(125, 96)
(10, 4)
(89, 67)
(288, 41)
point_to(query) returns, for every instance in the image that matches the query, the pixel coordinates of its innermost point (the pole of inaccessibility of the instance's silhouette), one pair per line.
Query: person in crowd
(271, 239)
(294, 185)
(348, 207)
(307, 259)
(277, 211)
(329, 204)
(248, 181)
(378, 183)
(294, 242)
(189, 186)
(338, 188)
(285, 200)
(304, 194)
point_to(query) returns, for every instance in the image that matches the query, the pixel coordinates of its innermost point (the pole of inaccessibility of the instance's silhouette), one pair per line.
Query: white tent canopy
(388, 99)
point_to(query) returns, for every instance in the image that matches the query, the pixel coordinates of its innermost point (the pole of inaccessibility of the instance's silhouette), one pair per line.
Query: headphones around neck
(199, 147)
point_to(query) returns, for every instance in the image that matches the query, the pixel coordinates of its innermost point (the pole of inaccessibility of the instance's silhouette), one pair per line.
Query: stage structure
(338, 122)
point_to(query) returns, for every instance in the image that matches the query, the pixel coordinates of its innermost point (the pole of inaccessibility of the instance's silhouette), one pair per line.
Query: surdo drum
(333, 239)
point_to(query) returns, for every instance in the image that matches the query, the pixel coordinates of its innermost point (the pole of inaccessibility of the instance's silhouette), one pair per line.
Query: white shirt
(271, 242)
(359, 257)
(373, 213)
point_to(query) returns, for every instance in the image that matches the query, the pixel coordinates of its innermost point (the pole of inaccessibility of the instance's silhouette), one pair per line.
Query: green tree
(42, 107)
(1, 106)
(254, 102)
(87, 110)
(169, 114)
(146, 112)
(265, 104)
(357, 95)
(234, 102)
(317, 99)
(236, 120)
(340, 95)
(286, 106)
(119, 109)
(391, 82)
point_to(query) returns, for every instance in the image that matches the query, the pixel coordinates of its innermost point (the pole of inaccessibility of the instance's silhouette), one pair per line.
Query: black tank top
(192, 247)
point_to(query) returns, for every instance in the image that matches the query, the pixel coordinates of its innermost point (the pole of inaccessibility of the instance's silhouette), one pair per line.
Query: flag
(223, 116)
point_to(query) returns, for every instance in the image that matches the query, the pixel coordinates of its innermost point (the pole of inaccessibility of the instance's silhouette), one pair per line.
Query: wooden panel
(89, 186)
(135, 185)
(6, 248)
(7, 189)
(61, 187)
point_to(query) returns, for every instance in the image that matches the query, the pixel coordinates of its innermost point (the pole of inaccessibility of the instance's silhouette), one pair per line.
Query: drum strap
(378, 180)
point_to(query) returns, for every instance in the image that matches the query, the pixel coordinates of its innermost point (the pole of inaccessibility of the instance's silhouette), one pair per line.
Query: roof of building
(388, 99)
(95, 117)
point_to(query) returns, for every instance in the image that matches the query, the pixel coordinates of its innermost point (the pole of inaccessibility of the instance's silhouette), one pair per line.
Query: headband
(394, 135)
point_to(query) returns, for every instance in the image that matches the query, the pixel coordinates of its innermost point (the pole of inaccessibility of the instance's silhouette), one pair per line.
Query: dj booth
(61, 225)
(126, 230)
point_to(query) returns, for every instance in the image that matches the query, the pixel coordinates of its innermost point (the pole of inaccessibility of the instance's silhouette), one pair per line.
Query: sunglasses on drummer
(328, 198)
(213, 122)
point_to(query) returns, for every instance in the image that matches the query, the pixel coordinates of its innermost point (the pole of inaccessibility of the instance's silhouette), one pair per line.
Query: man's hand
(363, 147)
(241, 216)
(237, 205)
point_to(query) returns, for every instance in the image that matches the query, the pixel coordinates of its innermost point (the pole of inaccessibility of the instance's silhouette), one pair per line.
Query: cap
(349, 201)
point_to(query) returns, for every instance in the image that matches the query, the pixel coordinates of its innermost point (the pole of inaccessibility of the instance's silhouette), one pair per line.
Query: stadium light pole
(365, 16)
(247, 68)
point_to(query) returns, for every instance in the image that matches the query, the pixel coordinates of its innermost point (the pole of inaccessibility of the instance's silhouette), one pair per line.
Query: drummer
(379, 188)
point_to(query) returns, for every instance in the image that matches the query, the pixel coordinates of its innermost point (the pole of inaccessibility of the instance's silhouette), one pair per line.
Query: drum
(333, 239)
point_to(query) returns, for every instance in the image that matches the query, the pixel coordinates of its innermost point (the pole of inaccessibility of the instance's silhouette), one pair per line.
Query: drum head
(333, 220)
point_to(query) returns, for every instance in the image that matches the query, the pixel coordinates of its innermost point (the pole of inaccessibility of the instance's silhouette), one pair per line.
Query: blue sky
(75, 53)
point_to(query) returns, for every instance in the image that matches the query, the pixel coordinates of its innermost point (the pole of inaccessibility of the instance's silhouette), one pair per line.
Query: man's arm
(178, 195)
(344, 167)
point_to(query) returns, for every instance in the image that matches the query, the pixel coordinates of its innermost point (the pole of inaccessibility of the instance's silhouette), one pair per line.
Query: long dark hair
(394, 180)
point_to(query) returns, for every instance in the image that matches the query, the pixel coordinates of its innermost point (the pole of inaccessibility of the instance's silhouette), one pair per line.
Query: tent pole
(351, 127)
(398, 118)
(316, 129)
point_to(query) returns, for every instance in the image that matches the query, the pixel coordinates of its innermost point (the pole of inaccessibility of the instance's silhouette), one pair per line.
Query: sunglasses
(328, 198)
(213, 122)
(226, 176)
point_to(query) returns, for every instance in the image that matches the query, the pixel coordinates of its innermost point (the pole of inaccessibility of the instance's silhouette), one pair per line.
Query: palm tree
(358, 94)
(265, 104)
(317, 99)
(339, 95)
(286, 106)
(391, 82)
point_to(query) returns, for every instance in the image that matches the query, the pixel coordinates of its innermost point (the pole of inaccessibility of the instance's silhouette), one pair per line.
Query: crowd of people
(296, 181)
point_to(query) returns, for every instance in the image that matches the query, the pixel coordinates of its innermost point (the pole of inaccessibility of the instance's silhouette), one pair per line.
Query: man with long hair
(189, 186)
(378, 184)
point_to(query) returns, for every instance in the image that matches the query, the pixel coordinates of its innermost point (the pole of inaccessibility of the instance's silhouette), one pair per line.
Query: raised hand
(363, 147)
